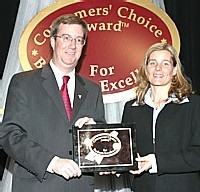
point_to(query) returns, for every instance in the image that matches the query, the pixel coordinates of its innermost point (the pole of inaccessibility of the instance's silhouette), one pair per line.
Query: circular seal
(120, 32)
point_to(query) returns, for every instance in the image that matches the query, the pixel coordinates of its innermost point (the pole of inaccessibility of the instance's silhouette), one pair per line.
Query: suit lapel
(79, 95)
(51, 87)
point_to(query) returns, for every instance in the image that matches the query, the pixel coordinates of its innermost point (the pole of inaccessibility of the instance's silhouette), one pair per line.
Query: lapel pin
(79, 96)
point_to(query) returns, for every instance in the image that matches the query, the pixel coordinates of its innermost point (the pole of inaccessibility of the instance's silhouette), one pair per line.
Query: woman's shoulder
(130, 102)
(194, 100)
(194, 97)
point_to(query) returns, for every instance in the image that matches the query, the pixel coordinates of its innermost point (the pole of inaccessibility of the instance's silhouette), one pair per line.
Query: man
(36, 130)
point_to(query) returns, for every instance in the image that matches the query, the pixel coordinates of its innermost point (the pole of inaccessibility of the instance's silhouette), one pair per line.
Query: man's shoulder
(86, 81)
(26, 76)
(28, 73)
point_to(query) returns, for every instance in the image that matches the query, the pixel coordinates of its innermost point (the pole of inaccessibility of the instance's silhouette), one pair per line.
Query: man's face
(67, 50)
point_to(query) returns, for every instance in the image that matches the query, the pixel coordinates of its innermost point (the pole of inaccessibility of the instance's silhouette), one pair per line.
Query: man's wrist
(51, 164)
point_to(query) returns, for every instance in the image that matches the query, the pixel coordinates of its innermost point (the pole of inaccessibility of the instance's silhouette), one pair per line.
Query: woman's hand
(144, 164)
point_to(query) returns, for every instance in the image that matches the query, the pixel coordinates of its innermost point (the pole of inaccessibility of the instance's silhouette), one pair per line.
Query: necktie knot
(65, 79)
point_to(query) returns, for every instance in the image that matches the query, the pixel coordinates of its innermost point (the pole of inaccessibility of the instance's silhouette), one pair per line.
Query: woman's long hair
(180, 86)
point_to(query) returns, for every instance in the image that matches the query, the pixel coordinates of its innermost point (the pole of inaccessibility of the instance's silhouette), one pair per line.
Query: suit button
(70, 152)
(70, 130)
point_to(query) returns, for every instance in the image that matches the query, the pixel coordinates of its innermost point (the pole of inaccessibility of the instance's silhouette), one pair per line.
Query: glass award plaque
(105, 147)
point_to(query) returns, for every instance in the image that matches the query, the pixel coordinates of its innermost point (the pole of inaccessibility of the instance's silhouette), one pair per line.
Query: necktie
(65, 96)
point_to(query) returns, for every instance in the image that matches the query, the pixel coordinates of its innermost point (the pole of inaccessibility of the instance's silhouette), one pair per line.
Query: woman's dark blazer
(177, 147)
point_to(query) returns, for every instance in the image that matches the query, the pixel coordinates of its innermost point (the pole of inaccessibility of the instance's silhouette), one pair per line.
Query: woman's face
(160, 69)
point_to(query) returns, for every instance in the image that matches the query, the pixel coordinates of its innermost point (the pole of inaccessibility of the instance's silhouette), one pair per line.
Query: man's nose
(73, 43)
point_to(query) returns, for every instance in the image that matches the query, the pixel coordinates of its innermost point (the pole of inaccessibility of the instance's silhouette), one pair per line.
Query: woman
(166, 112)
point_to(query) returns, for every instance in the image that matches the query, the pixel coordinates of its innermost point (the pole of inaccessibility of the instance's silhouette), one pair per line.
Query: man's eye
(79, 40)
(66, 38)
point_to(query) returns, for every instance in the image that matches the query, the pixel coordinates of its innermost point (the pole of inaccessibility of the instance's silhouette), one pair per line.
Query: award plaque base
(105, 147)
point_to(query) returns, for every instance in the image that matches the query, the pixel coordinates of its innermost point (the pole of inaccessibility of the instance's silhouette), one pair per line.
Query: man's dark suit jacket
(35, 128)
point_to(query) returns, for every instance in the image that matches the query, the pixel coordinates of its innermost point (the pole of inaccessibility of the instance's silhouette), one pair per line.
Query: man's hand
(66, 168)
(85, 120)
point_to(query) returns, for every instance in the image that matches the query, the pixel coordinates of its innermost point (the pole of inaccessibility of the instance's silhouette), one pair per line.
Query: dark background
(185, 14)
(8, 10)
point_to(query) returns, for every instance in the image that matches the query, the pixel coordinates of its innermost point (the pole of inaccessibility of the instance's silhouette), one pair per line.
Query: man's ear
(52, 42)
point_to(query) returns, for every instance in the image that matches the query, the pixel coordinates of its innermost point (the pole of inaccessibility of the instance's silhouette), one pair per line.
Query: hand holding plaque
(105, 147)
